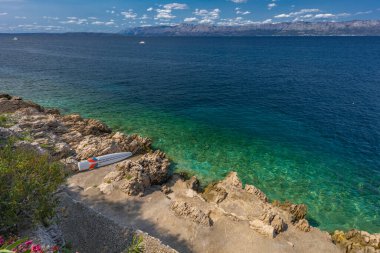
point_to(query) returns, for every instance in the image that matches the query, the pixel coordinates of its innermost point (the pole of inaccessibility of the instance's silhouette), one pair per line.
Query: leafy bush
(27, 181)
(137, 245)
(3, 120)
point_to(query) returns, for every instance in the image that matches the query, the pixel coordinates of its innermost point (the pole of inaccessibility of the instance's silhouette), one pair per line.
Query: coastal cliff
(142, 194)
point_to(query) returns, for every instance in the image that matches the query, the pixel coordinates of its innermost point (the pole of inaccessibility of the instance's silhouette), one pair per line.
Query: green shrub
(28, 181)
(3, 120)
(137, 245)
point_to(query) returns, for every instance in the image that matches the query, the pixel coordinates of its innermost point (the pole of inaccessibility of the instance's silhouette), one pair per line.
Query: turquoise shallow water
(298, 117)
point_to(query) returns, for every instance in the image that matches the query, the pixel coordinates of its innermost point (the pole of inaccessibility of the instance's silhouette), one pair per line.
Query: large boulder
(10, 104)
(133, 178)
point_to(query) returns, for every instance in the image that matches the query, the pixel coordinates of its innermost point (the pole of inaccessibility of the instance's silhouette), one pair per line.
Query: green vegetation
(28, 181)
(137, 245)
(4, 120)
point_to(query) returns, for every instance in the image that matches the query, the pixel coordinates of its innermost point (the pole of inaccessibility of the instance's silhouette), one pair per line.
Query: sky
(116, 15)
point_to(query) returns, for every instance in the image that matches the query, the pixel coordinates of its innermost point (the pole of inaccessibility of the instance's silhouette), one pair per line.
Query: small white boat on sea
(15, 38)
(142, 42)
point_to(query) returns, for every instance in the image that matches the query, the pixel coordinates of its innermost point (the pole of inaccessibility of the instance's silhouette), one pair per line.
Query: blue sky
(115, 15)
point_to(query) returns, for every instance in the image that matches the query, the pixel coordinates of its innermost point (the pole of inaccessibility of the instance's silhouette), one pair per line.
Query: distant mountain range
(348, 28)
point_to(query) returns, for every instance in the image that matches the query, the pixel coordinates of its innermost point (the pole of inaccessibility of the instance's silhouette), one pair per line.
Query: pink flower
(36, 248)
(1, 240)
(28, 243)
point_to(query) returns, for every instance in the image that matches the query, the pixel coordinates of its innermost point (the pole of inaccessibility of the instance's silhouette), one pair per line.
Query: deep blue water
(297, 116)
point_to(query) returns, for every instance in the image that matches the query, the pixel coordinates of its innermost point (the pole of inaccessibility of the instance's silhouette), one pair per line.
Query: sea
(298, 117)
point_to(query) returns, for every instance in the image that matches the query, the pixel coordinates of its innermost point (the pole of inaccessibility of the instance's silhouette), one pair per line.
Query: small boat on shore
(142, 42)
(15, 38)
(100, 161)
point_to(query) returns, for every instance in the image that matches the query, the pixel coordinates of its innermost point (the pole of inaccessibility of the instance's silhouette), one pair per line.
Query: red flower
(28, 243)
(36, 248)
(1, 240)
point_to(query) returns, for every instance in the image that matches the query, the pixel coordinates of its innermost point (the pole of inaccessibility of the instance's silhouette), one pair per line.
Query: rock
(253, 190)
(106, 188)
(166, 189)
(4, 96)
(303, 225)
(193, 183)
(262, 228)
(134, 177)
(275, 220)
(233, 180)
(52, 111)
(297, 211)
(70, 163)
(356, 241)
(113, 176)
(215, 194)
(185, 209)
(9, 104)
(6, 133)
(62, 150)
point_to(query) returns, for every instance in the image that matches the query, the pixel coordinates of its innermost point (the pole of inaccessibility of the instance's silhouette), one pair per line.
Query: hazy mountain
(353, 28)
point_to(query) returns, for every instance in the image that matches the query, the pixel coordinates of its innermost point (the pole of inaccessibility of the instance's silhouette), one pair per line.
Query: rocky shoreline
(224, 217)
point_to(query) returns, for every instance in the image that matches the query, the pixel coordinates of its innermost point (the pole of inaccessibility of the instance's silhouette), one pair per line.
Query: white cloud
(207, 16)
(20, 17)
(144, 17)
(75, 21)
(192, 19)
(129, 14)
(267, 21)
(107, 23)
(239, 1)
(298, 13)
(239, 11)
(3, 13)
(364, 12)
(50, 18)
(271, 6)
(176, 6)
(324, 15)
(165, 13)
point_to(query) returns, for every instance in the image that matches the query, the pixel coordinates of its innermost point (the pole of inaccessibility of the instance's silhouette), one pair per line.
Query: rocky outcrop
(188, 211)
(297, 212)
(67, 137)
(253, 190)
(10, 104)
(134, 177)
(355, 241)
